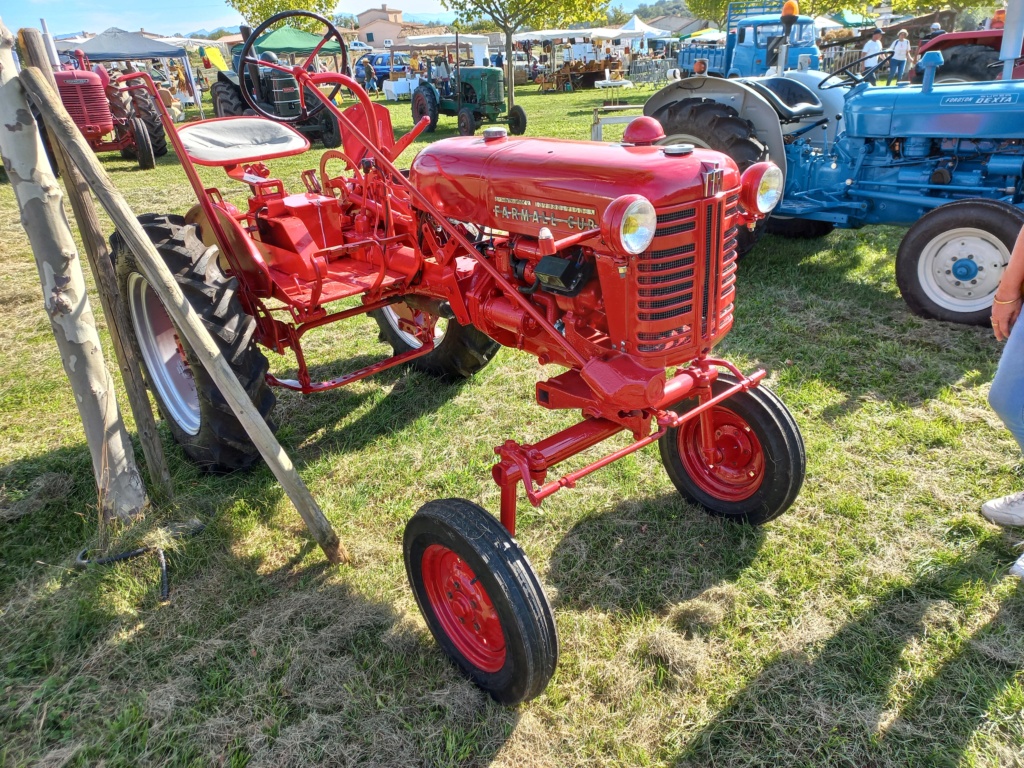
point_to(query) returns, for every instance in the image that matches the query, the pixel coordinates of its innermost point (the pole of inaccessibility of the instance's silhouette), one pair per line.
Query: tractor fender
(228, 77)
(748, 103)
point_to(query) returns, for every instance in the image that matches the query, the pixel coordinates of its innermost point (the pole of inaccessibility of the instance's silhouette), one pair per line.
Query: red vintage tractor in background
(614, 263)
(111, 117)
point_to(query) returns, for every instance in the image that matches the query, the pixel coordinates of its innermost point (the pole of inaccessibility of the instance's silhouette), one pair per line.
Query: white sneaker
(1006, 510)
(1017, 569)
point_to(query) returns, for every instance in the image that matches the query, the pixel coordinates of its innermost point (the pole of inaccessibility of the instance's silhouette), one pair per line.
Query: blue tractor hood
(955, 111)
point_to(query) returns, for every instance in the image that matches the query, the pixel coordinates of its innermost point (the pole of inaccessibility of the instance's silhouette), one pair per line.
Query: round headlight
(762, 185)
(629, 224)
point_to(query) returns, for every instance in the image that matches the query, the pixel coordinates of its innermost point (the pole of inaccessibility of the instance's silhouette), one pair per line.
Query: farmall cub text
(615, 263)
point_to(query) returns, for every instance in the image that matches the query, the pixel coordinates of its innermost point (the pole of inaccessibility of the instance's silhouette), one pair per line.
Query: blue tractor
(945, 160)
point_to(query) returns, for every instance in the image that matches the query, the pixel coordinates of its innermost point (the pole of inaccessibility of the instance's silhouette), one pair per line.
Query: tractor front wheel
(466, 121)
(459, 350)
(196, 412)
(709, 124)
(758, 463)
(143, 144)
(424, 103)
(951, 261)
(517, 120)
(330, 132)
(227, 102)
(145, 110)
(481, 599)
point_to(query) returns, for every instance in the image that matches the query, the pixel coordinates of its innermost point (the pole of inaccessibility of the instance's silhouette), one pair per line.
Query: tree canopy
(255, 12)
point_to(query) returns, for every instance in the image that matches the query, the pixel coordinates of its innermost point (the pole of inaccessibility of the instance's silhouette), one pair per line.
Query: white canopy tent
(638, 25)
(477, 42)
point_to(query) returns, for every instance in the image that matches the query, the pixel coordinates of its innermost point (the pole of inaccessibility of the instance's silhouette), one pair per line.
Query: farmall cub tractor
(112, 118)
(614, 263)
(947, 161)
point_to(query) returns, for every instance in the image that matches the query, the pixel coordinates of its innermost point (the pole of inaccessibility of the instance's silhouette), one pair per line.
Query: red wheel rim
(736, 470)
(463, 608)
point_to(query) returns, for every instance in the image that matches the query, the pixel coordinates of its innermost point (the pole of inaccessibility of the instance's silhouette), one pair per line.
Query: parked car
(358, 47)
(383, 64)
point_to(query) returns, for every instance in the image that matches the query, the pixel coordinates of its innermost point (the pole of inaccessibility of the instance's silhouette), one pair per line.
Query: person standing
(1007, 393)
(872, 48)
(900, 55)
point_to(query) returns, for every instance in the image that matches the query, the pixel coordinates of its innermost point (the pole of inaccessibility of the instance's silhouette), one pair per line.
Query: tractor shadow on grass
(862, 698)
(827, 310)
(272, 659)
(646, 555)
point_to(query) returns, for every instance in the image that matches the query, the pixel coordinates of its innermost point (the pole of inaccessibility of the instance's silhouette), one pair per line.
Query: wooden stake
(106, 285)
(119, 486)
(63, 130)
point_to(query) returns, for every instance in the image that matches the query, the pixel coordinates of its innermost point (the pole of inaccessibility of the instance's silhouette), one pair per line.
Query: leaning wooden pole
(63, 131)
(120, 490)
(106, 285)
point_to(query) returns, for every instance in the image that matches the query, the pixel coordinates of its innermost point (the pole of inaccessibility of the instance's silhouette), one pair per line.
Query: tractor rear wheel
(759, 463)
(147, 111)
(466, 121)
(143, 144)
(950, 262)
(481, 599)
(517, 120)
(227, 102)
(709, 124)
(196, 412)
(968, 64)
(424, 102)
(459, 350)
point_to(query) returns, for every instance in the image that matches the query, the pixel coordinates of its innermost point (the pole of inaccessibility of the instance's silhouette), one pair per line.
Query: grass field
(872, 625)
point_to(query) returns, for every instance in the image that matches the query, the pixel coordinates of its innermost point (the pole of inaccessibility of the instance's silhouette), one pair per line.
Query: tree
(510, 16)
(255, 12)
(709, 10)
(617, 16)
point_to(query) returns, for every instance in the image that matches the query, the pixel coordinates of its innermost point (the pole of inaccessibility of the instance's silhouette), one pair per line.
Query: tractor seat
(791, 99)
(236, 140)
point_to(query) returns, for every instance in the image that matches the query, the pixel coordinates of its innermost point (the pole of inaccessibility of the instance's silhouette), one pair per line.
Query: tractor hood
(955, 111)
(521, 185)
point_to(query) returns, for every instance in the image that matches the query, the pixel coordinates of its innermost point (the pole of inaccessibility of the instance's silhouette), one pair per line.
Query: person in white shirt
(872, 48)
(900, 57)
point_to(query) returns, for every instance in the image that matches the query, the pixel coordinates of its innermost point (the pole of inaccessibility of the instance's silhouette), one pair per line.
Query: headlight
(629, 223)
(761, 188)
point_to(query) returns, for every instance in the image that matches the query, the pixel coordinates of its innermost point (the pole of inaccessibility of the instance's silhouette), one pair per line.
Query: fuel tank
(992, 110)
(520, 185)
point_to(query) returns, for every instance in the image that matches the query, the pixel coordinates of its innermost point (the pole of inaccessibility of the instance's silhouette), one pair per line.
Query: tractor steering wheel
(846, 75)
(246, 57)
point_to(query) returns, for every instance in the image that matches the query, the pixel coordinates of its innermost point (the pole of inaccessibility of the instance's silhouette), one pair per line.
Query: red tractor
(614, 263)
(112, 118)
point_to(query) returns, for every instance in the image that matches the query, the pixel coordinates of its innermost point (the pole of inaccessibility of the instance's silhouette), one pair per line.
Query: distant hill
(445, 17)
(207, 32)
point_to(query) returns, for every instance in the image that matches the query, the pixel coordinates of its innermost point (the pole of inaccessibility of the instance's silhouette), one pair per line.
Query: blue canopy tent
(117, 45)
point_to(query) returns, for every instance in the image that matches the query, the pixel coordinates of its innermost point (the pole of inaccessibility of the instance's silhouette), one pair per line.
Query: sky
(162, 16)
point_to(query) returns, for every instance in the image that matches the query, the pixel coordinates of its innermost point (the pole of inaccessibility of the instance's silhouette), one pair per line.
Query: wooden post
(63, 131)
(106, 285)
(119, 486)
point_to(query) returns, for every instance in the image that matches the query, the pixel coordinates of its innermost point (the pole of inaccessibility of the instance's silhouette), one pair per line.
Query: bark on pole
(120, 490)
(61, 129)
(106, 284)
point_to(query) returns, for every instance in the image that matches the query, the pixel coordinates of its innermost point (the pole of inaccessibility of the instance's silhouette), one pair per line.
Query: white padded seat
(237, 140)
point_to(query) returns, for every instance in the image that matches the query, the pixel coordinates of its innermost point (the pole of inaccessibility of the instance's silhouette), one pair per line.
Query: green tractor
(476, 94)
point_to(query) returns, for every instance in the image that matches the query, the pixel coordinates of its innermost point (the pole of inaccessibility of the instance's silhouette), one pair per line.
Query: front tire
(227, 102)
(196, 412)
(481, 599)
(424, 102)
(759, 463)
(146, 110)
(330, 132)
(459, 350)
(709, 124)
(143, 145)
(517, 120)
(951, 260)
(466, 122)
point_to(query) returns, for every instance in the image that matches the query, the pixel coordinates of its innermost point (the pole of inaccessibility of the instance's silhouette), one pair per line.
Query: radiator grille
(684, 283)
(87, 105)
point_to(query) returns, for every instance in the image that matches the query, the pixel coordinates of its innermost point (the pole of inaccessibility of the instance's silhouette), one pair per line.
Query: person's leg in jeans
(895, 70)
(1007, 399)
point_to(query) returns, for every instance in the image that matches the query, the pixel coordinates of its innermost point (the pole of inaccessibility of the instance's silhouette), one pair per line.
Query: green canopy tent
(288, 40)
(851, 19)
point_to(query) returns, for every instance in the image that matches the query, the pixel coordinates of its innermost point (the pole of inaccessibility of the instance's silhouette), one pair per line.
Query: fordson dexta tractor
(614, 263)
(112, 118)
(945, 160)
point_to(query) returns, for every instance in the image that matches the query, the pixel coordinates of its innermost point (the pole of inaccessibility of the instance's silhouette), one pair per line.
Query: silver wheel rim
(410, 339)
(169, 374)
(960, 269)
